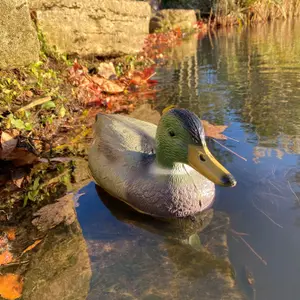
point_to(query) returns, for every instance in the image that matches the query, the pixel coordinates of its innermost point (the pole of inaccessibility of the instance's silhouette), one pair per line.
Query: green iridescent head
(180, 138)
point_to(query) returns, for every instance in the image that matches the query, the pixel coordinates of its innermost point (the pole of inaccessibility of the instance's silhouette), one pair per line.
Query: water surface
(248, 79)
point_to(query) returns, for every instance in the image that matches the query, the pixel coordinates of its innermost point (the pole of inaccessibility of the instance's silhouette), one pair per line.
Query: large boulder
(19, 44)
(95, 27)
(167, 19)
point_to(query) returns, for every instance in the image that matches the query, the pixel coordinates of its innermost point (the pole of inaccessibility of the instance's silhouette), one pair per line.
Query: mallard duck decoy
(165, 171)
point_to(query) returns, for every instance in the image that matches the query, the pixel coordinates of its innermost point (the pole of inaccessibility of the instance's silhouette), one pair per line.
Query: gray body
(122, 161)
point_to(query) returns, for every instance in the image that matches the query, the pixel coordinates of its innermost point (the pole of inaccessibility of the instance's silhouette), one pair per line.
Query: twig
(274, 186)
(230, 138)
(230, 150)
(15, 263)
(252, 250)
(238, 233)
(34, 103)
(210, 15)
(274, 195)
(286, 172)
(298, 200)
(150, 76)
(266, 215)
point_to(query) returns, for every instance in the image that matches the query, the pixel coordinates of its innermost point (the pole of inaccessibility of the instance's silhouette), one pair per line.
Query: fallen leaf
(250, 277)
(11, 286)
(18, 177)
(3, 242)
(108, 86)
(28, 94)
(11, 234)
(6, 257)
(214, 131)
(31, 246)
(107, 70)
(22, 157)
(8, 144)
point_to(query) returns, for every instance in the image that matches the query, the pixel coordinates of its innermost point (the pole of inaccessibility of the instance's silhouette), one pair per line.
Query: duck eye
(171, 133)
(202, 158)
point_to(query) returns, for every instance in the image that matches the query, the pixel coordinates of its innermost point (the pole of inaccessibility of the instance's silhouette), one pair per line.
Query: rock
(54, 214)
(204, 6)
(60, 268)
(145, 112)
(96, 27)
(19, 45)
(168, 19)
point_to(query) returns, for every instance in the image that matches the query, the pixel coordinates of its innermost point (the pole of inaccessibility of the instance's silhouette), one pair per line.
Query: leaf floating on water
(5, 258)
(250, 277)
(11, 286)
(214, 131)
(31, 246)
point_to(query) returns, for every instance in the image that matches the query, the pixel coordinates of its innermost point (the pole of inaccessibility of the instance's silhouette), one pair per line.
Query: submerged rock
(19, 45)
(60, 269)
(97, 27)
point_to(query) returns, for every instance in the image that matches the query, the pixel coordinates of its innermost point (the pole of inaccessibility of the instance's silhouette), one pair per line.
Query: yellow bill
(201, 159)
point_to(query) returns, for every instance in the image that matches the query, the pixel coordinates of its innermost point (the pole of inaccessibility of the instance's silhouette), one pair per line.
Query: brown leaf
(6, 257)
(108, 86)
(11, 286)
(214, 131)
(22, 157)
(8, 144)
(18, 177)
(11, 234)
(3, 242)
(31, 246)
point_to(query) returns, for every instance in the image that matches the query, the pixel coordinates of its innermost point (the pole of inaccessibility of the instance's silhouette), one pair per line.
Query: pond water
(248, 79)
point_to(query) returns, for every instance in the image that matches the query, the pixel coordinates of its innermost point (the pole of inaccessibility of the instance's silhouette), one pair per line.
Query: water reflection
(157, 259)
(249, 80)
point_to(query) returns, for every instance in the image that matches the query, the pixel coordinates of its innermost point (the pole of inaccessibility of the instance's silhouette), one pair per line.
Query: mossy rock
(168, 19)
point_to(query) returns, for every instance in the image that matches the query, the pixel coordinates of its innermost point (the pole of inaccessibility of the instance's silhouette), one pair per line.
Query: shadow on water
(147, 258)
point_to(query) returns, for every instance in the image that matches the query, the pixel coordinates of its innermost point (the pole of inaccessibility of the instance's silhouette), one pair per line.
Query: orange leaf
(108, 86)
(5, 257)
(11, 286)
(214, 131)
(31, 246)
(11, 234)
